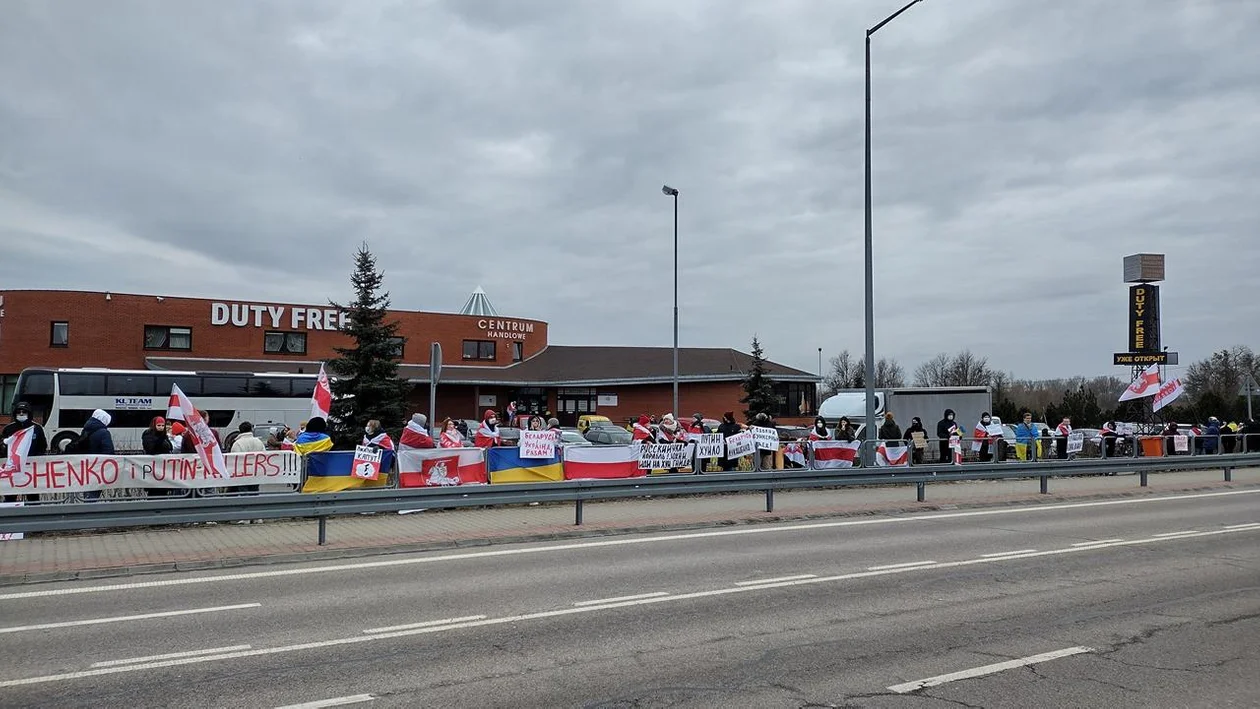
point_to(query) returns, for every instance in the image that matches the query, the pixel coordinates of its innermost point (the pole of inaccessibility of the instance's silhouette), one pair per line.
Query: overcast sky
(241, 150)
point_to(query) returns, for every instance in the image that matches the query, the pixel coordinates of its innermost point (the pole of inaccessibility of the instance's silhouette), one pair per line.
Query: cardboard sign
(740, 445)
(538, 444)
(767, 438)
(367, 463)
(663, 456)
(84, 473)
(1075, 442)
(1181, 444)
(710, 445)
(920, 439)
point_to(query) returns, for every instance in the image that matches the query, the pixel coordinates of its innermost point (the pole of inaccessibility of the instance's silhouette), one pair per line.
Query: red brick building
(488, 360)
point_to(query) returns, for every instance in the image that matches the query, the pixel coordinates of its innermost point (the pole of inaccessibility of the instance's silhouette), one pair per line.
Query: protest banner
(11, 536)
(86, 473)
(538, 444)
(767, 438)
(710, 445)
(1075, 442)
(439, 467)
(664, 456)
(740, 445)
(367, 463)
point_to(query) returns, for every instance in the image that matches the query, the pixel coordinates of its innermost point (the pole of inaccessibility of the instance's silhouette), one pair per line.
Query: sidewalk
(49, 557)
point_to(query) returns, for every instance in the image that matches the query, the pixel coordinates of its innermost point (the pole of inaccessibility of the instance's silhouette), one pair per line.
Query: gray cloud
(243, 149)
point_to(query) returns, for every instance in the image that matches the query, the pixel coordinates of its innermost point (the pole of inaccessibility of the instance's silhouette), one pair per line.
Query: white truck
(928, 403)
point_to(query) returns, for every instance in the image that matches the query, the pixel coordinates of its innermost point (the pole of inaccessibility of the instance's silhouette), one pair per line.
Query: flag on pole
(321, 398)
(19, 446)
(1146, 384)
(1167, 394)
(207, 445)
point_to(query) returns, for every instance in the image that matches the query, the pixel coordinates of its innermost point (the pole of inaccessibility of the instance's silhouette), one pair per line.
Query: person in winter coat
(314, 439)
(416, 434)
(819, 432)
(982, 441)
(1026, 436)
(451, 437)
(375, 435)
(889, 431)
(917, 443)
(845, 430)
(247, 442)
(155, 440)
(488, 431)
(728, 428)
(943, 428)
(99, 441)
(763, 420)
(1212, 435)
(641, 432)
(1061, 438)
(39, 442)
(1251, 437)
(696, 427)
(670, 432)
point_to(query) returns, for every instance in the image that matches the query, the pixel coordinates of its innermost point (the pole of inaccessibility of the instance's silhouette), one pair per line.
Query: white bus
(63, 400)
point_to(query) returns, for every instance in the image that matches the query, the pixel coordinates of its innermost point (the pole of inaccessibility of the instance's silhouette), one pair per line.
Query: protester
(728, 428)
(696, 427)
(1109, 438)
(553, 425)
(1026, 435)
(1251, 437)
(535, 423)
(1229, 437)
(451, 437)
(641, 431)
(767, 457)
(374, 435)
(155, 440)
(1062, 432)
(206, 417)
(1170, 434)
(290, 438)
(97, 441)
(275, 439)
(488, 432)
(247, 442)
(177, 431)
(819, 432)
(890, 431)
(416, 434)
(1212, 435)
(916, 436)
(314, 439)
(944, 429)
(670, 432)
(982, 445)
(22, 420)
(845, 430)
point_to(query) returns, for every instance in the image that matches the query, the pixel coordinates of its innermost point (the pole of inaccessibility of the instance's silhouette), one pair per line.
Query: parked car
(608, 436)
(573, 437)
(792, 433)
(510, 436)
(585, 421)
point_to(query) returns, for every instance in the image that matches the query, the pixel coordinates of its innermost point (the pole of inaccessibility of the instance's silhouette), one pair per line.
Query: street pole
(820, 363)
(868, 451)
(671, 192)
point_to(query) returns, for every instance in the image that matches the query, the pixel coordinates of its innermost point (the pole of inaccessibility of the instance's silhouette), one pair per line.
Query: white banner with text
(86, 473)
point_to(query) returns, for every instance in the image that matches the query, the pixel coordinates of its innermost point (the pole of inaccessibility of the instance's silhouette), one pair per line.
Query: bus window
(223, 386)
(191, 386)
(271, 387)
(129, 385)
(304, 387)
(77, 384)
(36, 389)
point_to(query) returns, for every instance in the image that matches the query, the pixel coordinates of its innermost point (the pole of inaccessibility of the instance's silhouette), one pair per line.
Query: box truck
(928, 403)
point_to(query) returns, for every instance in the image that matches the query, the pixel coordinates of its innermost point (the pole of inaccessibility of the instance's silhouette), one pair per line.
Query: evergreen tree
(758, 388)
(366, 384)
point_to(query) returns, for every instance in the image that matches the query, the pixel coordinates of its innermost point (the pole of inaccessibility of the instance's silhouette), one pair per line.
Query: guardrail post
(1045, 484)
(769, 499)
(1229, 475)
(1142, 478)
(920, 492)
(577, 513)
(323, 531)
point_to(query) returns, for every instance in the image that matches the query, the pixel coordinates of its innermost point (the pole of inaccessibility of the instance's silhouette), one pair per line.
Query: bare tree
(888, 373)
(1223, 374)
(934, 372)
(963, 369)
(849, 372)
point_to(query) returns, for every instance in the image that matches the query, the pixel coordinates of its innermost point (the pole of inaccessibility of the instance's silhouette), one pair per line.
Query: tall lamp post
(671, 192)
(868, 452)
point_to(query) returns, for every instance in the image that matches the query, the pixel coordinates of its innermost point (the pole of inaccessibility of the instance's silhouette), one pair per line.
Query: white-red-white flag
(19, 446)
(207, 445)
(1167, 394)
(321, 398)
(1146, 384)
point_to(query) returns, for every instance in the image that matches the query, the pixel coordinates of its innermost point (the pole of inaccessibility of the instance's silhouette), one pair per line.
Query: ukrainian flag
(312, 443)
(330, 472)
(505, 465)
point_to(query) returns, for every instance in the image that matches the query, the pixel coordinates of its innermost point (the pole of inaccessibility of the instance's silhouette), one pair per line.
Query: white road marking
(986, 670)
(776, 580)
(45, 591)
(570, 611)
(126, 618)
(1176, 534)
(423, 624)
(170, 655)
(337, 702)
(1097, 541)
(654, 594)
(1240, 526)
(1008, 553)
(907, 565)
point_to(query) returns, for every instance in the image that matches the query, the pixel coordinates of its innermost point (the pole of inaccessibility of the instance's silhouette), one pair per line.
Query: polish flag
(19, 446)
(321, 398)
(592, 462)
(892, 456)
(835, 454)
(207, 444)
(440, 467)
(1167, 394)
(1146, 384)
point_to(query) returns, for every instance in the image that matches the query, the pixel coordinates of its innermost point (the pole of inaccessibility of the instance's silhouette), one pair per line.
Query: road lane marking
(1176, 534)
(1097, 541)
(987, 669)
(337, 702)
(1007, 553)
(423, 624)
(776, 580)
(170, 655)
(46, 591)
(907, 565)
(570, 611)
(126, 618)
(1240, 526)
(654, 594)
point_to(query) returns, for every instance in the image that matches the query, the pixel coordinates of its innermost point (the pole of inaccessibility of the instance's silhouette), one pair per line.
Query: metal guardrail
(151, 512)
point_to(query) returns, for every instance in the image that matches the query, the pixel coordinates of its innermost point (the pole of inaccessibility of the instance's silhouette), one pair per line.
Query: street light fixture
(868, 452)
(671, 192)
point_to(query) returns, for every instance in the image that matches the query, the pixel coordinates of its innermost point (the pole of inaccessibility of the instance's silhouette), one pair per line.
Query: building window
(575, 401)
(479, 349)
(8, 388)
(164, 337)
(284, 343)
(396, 347)
(790, 396)
(518, 351)
(60, 336)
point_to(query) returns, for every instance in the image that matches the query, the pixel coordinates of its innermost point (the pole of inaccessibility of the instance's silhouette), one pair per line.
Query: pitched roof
(479, 304)
(557, 365)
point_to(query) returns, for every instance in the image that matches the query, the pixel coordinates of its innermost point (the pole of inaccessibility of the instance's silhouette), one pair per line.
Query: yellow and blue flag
(330, 472)
(505, 465)
(308, 442)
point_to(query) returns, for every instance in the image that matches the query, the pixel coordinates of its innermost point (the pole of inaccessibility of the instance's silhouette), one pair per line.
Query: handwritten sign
(740, 445)
(537, 444)
(1075, 442)
(767, 438)
(84, 473)
(367, 463)
(710, 445)
(664, 456)
(1181, 444)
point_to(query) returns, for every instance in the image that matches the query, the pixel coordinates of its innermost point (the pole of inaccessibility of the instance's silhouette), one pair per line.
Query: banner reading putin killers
(87, 473)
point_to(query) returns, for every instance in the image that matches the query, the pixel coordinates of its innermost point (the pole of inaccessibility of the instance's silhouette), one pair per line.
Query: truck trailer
(928, 403)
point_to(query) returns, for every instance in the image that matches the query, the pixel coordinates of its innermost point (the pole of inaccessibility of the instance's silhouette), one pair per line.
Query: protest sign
(664, 456)
(710, 445)
(85, 473)
(1181, 444)
(767, 438)
(740, 445)
(538, 444)
(1075, 442)
(367, 462)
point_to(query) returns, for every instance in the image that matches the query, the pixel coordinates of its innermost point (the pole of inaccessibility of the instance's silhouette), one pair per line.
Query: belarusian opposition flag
(19, 446)
(1146, 384)
(1167, 394)
(207, 445)
(321, 398)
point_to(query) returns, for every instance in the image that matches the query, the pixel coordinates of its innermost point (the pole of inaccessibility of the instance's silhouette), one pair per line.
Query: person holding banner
(696, 427)
(916, 436)
(728, 428)
(669, 432)
(39, 441)
(1062, 432)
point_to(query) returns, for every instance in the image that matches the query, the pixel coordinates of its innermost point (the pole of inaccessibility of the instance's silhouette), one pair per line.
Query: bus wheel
(62, 441)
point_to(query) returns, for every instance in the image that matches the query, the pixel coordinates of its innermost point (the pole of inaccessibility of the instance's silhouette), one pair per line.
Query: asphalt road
(1138, 602)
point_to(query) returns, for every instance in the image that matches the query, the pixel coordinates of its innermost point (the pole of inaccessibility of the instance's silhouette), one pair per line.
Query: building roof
(479, 304)
(557, 365)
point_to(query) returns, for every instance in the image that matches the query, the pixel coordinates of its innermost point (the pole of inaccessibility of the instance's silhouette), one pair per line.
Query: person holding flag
(642, 432)
(488, 431)
(819, 432)
(321, 398)
(981, 435)
(205, 439)
(15, 448)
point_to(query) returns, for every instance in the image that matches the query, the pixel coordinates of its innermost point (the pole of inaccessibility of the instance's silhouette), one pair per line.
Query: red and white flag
(892, 456)
(441, 467)
(597, 462)
(207, 444)
(19, 446)
(1146, 384)
(321, 398)
(835, 454)
(414, 436)
(1167, 394)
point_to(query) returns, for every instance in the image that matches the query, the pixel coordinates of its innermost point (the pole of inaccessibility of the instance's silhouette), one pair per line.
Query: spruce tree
(758, 388)
(366, 384)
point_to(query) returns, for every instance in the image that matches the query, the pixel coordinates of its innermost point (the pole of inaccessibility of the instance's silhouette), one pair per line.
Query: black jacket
(728, 429)
(156, 442)
(890, 431)
(99, 440)
(39, 444)
(943, 426)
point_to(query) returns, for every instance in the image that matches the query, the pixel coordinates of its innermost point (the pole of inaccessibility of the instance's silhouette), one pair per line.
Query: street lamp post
(671, 192)
(868, 452)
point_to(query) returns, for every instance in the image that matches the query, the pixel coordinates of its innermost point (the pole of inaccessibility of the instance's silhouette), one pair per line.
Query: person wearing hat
(22, 420)
(416, 435)
(314, 439)
(488, 432)
(696, 427)
(155, 440)
(642, 430)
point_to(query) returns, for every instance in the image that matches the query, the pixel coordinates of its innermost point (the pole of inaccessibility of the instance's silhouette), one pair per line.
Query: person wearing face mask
(819, 432)
(374, 435)
(488, 431)
(844, 430)
(39, 443)
(981, 435)
(451, 437)
(943, 429)
(916, 436)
